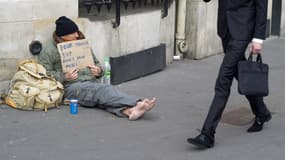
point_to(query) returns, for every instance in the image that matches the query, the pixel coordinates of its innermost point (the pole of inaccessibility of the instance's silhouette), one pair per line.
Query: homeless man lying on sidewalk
(83, 84)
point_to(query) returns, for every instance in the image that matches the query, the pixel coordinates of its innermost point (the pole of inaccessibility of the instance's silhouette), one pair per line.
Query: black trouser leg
(234, 52)
(257, 104)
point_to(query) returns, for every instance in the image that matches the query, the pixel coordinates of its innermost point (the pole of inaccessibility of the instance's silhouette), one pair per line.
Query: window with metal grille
(113, 9)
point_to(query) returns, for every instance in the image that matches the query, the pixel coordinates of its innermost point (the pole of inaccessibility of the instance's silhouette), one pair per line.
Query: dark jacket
(50, 59)
(245, 19)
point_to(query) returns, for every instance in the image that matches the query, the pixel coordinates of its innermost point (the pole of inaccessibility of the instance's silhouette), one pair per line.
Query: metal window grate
(108, 9)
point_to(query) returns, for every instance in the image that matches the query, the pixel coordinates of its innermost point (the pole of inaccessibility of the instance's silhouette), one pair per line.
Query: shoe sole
(199, 144)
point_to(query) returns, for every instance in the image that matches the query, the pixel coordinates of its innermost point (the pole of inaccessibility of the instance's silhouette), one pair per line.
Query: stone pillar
(201, 29)
(269, 19)
(283, 19)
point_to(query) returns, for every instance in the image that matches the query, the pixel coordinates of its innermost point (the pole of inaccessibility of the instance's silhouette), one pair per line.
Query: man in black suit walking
(240, 23)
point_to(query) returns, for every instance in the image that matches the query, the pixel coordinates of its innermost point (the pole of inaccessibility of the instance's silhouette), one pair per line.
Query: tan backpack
(32, 89)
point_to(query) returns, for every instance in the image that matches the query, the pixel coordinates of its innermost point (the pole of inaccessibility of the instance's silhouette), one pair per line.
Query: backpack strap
(4, 99)
(45, 107)
(32, 67)
(26, 61)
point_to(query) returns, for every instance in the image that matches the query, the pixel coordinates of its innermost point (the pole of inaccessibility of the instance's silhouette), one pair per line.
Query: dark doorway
(276, 17)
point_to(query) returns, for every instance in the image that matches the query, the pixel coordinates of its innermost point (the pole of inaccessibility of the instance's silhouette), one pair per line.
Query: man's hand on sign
(95, 70)
(72, 74)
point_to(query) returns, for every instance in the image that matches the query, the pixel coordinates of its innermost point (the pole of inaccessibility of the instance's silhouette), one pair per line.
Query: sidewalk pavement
(184, 91)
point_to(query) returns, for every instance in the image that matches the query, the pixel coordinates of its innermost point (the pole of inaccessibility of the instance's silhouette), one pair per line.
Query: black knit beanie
(65, 26)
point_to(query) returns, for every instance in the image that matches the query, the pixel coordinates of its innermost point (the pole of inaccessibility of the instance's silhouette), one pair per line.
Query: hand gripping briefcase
(253, 77)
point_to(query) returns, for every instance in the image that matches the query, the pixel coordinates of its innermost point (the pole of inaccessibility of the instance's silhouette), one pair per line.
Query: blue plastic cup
(73, 105)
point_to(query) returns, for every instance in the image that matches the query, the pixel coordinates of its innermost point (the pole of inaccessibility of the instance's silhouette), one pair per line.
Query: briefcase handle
(258, 57)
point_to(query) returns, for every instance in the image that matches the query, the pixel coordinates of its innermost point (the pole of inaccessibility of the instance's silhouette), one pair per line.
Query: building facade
(142, 26)
(186, 27)
(201, 26)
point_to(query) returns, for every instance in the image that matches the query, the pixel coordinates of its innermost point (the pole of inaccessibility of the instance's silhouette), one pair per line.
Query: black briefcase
(253, 77)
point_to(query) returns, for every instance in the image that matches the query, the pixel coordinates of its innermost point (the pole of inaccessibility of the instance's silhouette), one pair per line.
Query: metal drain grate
(238, 117)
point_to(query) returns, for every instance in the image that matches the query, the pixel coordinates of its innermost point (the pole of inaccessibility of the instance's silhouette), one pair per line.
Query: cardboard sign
(75, 54)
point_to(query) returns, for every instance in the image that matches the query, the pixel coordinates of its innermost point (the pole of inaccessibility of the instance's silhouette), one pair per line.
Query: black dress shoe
(258, 124)
(202, 141)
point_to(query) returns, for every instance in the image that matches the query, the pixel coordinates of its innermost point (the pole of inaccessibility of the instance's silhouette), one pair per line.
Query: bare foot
(149, 103)
(138, 111)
